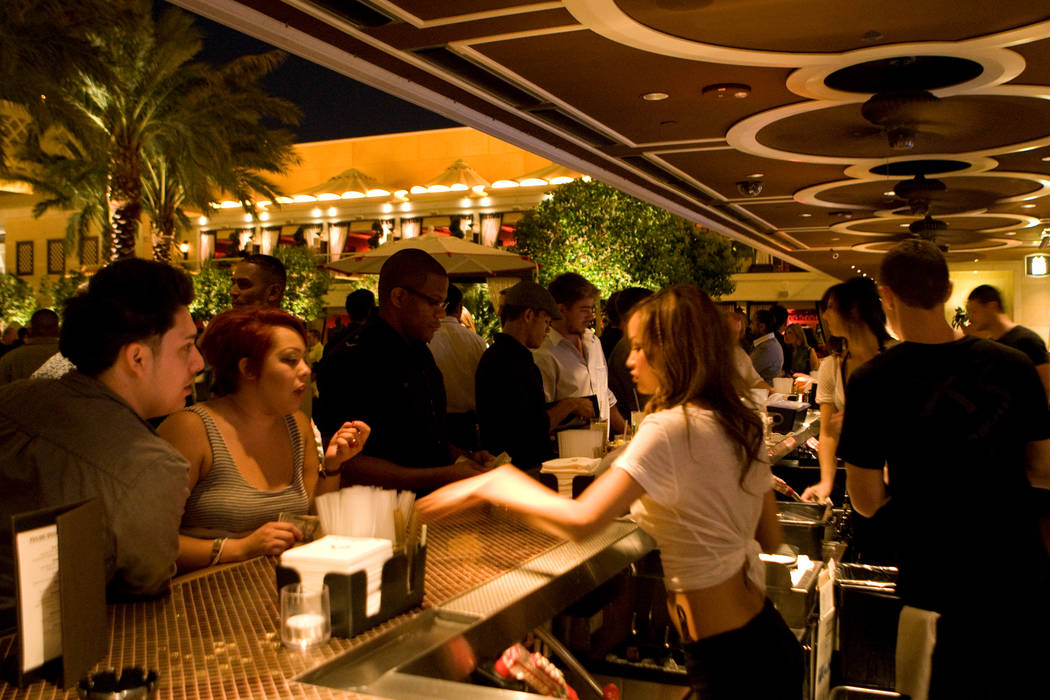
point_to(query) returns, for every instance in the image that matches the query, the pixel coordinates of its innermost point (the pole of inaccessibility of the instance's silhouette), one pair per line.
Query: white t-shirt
(829, 382)
(457, 351)
(745, 369)
(568, 374)
(694, 506)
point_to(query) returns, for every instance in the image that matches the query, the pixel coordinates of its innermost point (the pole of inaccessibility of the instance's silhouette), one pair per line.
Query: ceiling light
(891, 193)
(264, 216)
(203, 221)
(315, 212)
(755, 176)
(1028, 206)
(805, 215)
(332, 211)
(1047, 158)
(655, 96)
(387, 208)
(720, 91)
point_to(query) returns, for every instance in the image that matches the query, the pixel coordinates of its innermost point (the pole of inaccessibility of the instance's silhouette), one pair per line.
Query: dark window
(89, 251)
(56, 256)
(24, 257)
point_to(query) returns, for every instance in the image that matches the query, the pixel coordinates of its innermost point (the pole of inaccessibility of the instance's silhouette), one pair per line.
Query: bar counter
(216, 634)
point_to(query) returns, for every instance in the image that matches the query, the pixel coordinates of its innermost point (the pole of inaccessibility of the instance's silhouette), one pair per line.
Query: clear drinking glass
(306, 616)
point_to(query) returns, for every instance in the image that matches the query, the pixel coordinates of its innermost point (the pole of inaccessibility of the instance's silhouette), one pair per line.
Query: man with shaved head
(387, 378)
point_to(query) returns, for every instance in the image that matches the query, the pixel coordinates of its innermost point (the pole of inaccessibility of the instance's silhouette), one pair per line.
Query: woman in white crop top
(694, 480)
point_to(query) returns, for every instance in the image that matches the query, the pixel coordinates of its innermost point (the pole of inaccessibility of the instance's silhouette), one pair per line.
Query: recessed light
(891, 193)
(1011, 233)
(720, 91)
(805, 214)
(836, 238)
(655, 96)
(756, 175)
(1028, 206)
(1047, 158)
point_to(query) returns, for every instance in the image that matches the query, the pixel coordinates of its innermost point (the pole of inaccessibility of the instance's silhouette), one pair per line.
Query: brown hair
(687, 344)
(917, 272)
(239, 334)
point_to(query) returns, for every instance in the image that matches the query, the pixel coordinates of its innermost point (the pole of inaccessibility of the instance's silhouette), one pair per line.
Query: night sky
(333, 106)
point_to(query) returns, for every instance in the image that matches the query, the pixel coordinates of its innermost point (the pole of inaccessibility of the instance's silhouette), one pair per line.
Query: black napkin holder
(348, 593)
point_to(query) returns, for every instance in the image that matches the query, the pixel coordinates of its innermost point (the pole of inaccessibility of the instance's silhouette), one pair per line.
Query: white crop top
(694, 506)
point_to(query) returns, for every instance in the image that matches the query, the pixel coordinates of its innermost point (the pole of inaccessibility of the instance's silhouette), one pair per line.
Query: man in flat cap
(513, 414)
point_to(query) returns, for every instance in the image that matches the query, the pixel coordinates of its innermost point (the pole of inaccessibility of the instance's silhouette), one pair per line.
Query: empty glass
(305, 616)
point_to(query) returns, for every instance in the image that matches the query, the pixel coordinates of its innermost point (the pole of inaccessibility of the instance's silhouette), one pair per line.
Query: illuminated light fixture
(485, 201)
(465, 202)
(184, 248)
(655, 96)
(285, 200)
(203, 221)
(1046, 158)
(439, 188)
(586, 178)
(247, 218)
(229, 204)
(299, 198)
(332, 211)
(504, 184)
(805, 215)
(478, 189)
(315, 212)
(264, 216)
(407, 206)
(891, 193)
(352, 195)
(1037, 265)
(532, 182)
(1028, 206)
(755, 176)
(263, 204)
(548, 197)
(562, 180)
(401, 194)
(721, 91)
(377, 192)
(327, 197)
(1011, 233)
(387, 208)
(418, 189)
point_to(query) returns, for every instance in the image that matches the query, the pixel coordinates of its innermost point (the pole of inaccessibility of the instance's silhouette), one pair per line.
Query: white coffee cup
(783, 385)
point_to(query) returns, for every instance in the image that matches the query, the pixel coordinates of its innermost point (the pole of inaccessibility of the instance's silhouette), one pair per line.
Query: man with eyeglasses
(388, 378)
(571, 359)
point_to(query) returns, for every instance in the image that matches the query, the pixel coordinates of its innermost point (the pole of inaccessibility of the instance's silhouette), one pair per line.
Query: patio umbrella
(460, 258)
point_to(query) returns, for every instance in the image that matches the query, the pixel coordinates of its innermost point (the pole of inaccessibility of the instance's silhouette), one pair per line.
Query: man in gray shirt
(767, 355)
(85, 435)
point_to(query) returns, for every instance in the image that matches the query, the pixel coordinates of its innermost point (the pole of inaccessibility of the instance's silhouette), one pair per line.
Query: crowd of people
(407, 397)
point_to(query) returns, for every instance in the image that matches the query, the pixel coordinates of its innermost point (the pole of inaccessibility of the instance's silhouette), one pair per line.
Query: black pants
(761, 660)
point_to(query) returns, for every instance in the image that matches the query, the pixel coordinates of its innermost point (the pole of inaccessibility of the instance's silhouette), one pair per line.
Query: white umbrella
(460, 258)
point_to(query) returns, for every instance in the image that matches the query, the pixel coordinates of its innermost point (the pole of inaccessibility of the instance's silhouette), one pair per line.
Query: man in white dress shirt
(570, 359)
(457, 351)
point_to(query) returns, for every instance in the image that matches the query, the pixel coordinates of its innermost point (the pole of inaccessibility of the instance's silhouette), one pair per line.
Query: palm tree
(160, 129)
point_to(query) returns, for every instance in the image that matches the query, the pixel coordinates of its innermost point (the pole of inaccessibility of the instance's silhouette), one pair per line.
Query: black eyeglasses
(433, 301)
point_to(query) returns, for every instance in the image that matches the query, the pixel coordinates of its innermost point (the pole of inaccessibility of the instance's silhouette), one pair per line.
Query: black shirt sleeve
(1032, 346)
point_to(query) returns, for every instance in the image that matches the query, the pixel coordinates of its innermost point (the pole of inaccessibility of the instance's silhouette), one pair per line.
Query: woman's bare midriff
(709, 611)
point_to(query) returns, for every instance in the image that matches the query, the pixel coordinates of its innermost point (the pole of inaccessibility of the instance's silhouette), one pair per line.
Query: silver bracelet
(216, 550)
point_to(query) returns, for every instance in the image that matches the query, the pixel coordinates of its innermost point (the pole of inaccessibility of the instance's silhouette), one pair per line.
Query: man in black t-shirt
(963, 426)
(984, 307)
(512, 411)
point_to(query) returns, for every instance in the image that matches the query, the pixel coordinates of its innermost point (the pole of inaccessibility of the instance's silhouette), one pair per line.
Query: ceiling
(799, 167)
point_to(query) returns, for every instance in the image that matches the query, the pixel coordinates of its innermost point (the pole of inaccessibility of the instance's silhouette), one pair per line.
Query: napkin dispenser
(400, 587)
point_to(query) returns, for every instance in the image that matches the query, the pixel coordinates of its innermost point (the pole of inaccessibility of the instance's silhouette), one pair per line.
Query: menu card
(61, 590)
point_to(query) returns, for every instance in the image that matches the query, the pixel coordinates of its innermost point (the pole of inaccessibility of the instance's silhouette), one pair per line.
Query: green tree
(307, 283)
(17, 299)
(61, 289)
(156, 131)
(211, 289)
(616, 241)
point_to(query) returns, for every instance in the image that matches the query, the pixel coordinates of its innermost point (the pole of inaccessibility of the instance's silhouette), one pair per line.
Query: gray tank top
(223, 504)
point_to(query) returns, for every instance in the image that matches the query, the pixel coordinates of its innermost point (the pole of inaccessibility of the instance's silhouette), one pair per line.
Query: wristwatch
(325, 473)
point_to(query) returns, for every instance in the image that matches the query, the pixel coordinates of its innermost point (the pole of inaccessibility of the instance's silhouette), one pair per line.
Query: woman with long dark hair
(853, 313)
(694, 479)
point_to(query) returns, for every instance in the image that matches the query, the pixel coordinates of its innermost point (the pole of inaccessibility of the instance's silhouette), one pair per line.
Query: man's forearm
(375, 471)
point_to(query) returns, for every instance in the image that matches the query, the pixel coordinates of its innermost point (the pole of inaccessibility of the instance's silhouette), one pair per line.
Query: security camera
(750, 188)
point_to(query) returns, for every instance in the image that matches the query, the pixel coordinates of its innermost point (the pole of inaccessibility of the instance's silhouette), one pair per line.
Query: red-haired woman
(251, 451)
(694, 479)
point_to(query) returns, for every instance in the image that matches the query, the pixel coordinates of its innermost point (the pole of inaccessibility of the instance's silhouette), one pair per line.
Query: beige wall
(1027, 299)
(779, 286)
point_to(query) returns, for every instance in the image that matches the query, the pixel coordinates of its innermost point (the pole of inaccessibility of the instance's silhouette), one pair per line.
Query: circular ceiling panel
(827, 26)
(911, 168)
(904, 73)
(957, 124)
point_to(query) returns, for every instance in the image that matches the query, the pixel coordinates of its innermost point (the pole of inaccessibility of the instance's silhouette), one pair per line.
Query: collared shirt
(392, 385)
(767, 357)
(456, 350)
(511, 409)
(70, 439)
(568, 374)
(21, 362)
